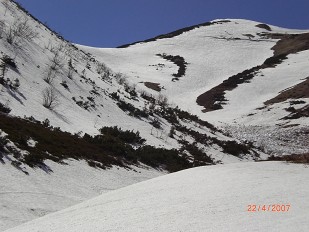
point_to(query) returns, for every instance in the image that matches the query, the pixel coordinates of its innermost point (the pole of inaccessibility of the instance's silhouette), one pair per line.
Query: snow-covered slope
(214, 52)
(36, 61)
(89, 94)
(151, 88)
(27, 197)
(201, 199)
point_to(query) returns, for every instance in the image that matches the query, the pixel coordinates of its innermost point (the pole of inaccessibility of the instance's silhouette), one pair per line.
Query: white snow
(201, 199)
(27, 197)
(213, 53)
(264, 86)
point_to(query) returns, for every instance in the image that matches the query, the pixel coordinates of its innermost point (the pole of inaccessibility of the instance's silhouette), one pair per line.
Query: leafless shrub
(3, 69)
(50, 98)
(71, 69)
(54, 68)
(102, 68)
(50, 76)
(7, 6)
(19, 32)
(121, 79)
(162, 100)
(56, 62)
(2, 28)
(70, 72)
(172, 132)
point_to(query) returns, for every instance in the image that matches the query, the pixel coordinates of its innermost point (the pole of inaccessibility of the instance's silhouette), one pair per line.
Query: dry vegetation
(288, 44)
(295, 158)
(300, 90)
(153, 86)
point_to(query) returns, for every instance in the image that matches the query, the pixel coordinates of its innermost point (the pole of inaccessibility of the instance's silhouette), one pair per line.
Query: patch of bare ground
(153, 86)
(214, 98)
(292, 44)
(264, 26)
(300, 90)
(295, 158)
(297, 113)
(179, 61)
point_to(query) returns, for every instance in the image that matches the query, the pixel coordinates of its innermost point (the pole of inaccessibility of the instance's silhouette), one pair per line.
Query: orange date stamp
(277, 208)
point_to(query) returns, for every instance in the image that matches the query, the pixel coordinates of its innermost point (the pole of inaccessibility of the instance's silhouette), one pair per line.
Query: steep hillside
(49, 82)
(227, 72)
(263, 196)
(220, 92)
(59, 103)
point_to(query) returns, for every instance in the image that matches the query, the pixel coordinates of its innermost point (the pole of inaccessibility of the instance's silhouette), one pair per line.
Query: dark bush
(135, 112)
(115, 96)
(234, 148)
(127, 136)
(162, 158)
(9, 61)
(4, 109)
(295, 158)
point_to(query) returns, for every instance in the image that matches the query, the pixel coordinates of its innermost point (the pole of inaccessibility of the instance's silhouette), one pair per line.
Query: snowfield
(200, 199)
(27, 197)
(213, 53)
(97, 87)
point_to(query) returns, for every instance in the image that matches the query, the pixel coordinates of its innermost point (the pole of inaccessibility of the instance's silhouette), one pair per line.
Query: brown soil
(264, 26)
(292, 44)
(214, 98)
(299, 158)
(297, 113)
(300, 90)
(153, 86)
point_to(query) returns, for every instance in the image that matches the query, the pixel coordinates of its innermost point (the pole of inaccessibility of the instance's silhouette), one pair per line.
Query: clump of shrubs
(295, 158)
(113, 146)
(234, 148)
(135, 112)
(4, 109)
(127, 136)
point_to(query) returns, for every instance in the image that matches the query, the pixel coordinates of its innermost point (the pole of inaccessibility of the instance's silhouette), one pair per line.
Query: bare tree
(54, 68)
(50, 76)
(56, 62)
(162, 100)
(7, 6)
(2, 28)
(20, 31)
(3, 69)
(102, 68)
(50, 98)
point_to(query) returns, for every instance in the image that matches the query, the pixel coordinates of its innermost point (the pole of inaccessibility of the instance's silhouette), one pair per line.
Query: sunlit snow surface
(201, 199)
(26, 197)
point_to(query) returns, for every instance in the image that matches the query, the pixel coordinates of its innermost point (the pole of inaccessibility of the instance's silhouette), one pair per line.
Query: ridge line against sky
(105, 23)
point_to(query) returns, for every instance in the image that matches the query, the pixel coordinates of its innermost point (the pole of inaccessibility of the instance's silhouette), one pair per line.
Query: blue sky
(110, 23)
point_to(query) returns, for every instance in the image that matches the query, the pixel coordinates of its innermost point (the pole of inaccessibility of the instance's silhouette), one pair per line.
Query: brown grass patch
(300, 90)
(264, 26)
(295, 158)
(153, 86)
(292, 44)
(214, 98)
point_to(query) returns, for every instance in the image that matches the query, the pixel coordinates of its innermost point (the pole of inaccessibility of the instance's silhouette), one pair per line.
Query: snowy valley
(78, 122)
